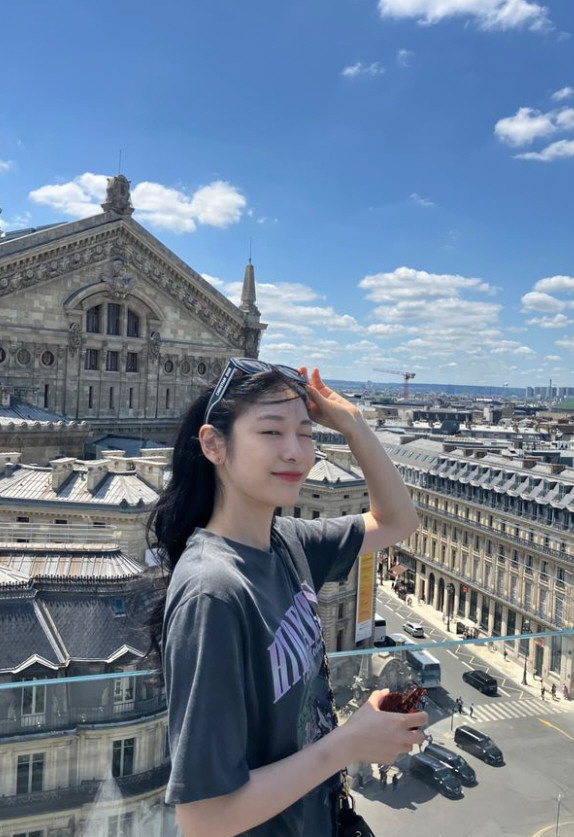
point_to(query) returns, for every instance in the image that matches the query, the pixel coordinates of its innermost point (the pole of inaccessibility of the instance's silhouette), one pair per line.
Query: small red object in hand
(399, 702)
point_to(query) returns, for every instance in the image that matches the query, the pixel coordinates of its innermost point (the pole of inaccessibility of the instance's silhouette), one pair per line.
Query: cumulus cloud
(566, 343)
(217, 204)
(511, 347)
(525, 126)
(489, 14)
(360, 69)
(556, 284)
(557, 321)
(563, 93)
(559, 150)
(5, 165)
(407, 282)
(426, 203)
(537, 301)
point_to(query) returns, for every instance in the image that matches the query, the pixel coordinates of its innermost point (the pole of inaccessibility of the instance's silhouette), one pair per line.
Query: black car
(478, 744)
(482, 681)
(455, 762)
(434, 773)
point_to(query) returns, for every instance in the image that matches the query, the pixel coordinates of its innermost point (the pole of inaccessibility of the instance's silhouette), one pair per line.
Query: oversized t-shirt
(242, 656)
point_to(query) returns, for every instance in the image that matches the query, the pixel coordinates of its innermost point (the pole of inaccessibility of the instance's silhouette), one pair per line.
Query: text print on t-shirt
(297, 643)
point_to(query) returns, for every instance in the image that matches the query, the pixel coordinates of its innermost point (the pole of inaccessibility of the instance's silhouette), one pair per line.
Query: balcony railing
(62, 798)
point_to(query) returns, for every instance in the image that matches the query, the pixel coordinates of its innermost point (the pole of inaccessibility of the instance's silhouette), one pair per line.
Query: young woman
(252, 743)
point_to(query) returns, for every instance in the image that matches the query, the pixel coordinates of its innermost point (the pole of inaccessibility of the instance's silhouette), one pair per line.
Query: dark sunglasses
(249, 366)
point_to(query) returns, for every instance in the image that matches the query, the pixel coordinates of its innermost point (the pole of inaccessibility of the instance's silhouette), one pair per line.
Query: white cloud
(489, 14)
(15, 222)
(404, 57)
(559, 150)
(407, 282)
(555, 284)
(5, 165)
(360, 69)
(511, 347)
(537, 301)
(525, 126)
(552, 357)
(563, 93)
(218, 204)
(566, 343)
(424, 202)
(557, 321)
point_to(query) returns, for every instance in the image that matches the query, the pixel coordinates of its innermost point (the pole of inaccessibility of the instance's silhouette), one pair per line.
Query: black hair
(189, 498)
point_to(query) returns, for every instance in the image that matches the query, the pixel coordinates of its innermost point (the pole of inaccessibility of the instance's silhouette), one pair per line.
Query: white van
(380, 632)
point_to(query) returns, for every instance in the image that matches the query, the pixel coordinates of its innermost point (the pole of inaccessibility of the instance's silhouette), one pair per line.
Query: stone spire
(118, 198)
(248, 292)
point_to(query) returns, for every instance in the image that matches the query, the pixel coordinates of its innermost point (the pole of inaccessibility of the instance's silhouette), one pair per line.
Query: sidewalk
(514, 670)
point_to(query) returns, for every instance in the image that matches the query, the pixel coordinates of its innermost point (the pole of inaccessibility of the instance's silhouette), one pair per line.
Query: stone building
(115, 491)
(82, 713)
(495, 547)
(101, 322)
(37, 434)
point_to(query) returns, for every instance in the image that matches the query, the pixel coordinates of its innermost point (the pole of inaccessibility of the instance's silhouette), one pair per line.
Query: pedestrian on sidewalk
(542, 691)
(395, 780)
(383, 777)
(471, 710)
(505, 655)
(553, 691)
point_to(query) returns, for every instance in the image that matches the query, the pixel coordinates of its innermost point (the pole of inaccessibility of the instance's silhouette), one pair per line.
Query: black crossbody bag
(349, 823)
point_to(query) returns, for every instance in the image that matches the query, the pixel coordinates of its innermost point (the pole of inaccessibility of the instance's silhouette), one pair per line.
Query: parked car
(478, 744)
(434, 773)
(455, 762)
(482, 681)
(414, 629)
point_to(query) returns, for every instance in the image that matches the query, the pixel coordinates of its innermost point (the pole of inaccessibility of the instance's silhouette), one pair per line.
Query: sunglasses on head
(248, 366)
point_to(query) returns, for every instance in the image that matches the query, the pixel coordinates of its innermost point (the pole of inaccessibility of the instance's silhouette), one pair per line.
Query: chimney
(529, 462)
(61, 470)
(480, 454)
(95, 473)
(9, 462)
(151, 471)
(556, 468)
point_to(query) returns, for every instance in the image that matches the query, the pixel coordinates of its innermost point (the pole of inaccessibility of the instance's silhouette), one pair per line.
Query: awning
(397, 570)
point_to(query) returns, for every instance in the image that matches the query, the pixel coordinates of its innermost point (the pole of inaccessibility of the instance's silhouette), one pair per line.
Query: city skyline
(398, 171)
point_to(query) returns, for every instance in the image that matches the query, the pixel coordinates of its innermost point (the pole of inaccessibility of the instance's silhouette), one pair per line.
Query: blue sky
(404, 168)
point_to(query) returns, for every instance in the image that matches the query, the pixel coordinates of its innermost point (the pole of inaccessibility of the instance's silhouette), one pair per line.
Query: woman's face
(270, 453)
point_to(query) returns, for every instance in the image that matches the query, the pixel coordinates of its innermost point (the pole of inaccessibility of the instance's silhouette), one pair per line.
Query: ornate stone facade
(101, 322)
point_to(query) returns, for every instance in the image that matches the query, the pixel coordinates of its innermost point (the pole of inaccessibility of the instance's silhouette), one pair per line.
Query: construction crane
(406, 376)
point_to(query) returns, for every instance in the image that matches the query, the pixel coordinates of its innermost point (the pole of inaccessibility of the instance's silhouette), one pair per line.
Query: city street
(536, 737)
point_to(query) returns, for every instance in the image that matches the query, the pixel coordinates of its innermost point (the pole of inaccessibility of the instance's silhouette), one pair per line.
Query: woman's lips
(288, 476)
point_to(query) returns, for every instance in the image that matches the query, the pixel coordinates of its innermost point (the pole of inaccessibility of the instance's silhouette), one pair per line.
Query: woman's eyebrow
(276, 417)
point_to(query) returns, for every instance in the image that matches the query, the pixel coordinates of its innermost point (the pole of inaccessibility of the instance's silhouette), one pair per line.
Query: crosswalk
(504, 710)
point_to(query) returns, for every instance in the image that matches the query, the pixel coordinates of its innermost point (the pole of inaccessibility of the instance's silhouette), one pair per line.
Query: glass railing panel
(88, 754)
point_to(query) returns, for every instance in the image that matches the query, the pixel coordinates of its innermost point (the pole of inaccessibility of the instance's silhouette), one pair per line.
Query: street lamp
(450, 593)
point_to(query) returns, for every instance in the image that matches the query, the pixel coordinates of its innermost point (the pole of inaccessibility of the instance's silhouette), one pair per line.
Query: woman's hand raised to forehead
(327, 407)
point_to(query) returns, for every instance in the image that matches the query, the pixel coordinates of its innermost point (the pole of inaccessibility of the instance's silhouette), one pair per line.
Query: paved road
(516, 800)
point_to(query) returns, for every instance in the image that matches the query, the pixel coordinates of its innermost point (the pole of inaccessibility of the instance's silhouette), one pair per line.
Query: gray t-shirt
(242, 658)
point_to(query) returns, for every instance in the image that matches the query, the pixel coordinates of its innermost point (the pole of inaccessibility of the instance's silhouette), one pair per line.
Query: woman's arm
(391, 516)
(370, 735)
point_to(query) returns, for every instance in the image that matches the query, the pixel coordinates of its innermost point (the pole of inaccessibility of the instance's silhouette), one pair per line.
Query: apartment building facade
(495, 546)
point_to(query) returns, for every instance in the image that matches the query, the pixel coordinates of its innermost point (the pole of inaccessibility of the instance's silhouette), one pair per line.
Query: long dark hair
(189, 498)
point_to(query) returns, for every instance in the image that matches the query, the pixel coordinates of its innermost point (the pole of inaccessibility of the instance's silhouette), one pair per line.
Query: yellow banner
(364, 623)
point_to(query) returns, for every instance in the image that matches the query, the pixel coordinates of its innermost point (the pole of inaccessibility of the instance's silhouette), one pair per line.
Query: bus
(425, 668)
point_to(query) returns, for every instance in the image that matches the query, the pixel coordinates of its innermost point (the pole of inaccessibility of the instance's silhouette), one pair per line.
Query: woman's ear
(212, 444)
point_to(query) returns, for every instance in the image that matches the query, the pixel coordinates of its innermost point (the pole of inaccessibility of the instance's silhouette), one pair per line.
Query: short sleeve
(204, 674)
(331, 545)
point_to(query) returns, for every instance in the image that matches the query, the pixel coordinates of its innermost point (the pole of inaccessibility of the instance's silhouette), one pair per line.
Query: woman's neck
(247, 526)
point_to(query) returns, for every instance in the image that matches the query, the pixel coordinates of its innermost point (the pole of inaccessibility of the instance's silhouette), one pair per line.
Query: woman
(248, 703)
